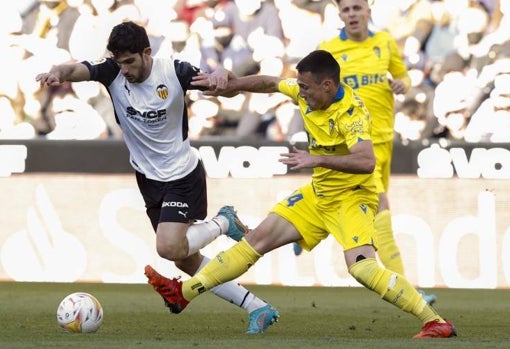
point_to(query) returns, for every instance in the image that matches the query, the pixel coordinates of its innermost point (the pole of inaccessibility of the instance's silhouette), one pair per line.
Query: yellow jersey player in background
(373, 67)
(340, 199)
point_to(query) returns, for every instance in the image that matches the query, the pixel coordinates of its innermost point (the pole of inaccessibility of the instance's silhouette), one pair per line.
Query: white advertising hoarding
(68, 227)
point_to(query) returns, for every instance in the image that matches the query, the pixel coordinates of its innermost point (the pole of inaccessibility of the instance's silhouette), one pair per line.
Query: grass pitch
(134, 317)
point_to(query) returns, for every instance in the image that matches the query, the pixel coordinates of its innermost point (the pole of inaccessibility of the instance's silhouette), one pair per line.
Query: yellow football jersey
(364, 66)
(332, 132)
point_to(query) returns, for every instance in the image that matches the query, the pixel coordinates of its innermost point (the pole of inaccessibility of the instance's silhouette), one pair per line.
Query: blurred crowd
(457, 52)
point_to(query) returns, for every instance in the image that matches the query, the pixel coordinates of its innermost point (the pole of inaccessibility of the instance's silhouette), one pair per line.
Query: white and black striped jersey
(152, 115)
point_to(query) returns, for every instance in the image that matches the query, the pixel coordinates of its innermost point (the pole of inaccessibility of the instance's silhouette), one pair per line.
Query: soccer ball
(80, 312)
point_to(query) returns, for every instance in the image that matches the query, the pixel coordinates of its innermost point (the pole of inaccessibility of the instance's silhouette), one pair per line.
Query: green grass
(134, 317)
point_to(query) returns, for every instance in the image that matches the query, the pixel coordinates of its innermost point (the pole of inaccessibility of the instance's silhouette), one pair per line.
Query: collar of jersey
(339, 94)
(343, 34)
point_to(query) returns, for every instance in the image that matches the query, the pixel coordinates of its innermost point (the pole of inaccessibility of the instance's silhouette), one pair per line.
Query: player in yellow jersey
(373, 67)
(340, 200)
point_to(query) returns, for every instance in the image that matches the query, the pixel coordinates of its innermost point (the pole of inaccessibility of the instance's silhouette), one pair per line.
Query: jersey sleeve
(289, 87)
(104, 70)
(185, 72)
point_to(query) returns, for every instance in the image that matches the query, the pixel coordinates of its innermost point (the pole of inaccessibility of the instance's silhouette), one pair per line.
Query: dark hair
(127, 37)
(322, 65)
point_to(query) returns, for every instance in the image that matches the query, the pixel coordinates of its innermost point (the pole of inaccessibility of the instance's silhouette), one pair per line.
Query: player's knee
(170, 252)
(365, 271)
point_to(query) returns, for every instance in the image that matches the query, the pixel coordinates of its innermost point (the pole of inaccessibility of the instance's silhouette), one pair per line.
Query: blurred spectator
(454, 98)
(191, 10)
(414, 116)
(90, 30)
(12, 98)
(410, 120)
(410, 22)
(499, 56)
(491, 121)
(246, 37)
(452, 62)
(10, 128)
(472, 22)
(67, 116)
(52, 20)
(437, 37)
(322, 22)
(441, 40)
(497, 29)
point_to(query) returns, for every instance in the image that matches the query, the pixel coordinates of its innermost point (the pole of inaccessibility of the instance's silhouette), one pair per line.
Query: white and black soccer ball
(80, 312)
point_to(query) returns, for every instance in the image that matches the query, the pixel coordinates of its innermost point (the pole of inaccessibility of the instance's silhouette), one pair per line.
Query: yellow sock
(388, 250)
(226, 266)
(393, 288)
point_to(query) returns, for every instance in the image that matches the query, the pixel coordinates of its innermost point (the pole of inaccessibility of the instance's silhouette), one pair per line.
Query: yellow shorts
(383, 153)
(350, 220)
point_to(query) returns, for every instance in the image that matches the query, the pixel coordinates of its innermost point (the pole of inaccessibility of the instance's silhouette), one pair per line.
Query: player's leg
(388, 250)
(296, 212)
(273, 232)
(397, 290)
(279, 228)
(261, 313)
(356, 217)
(199, 234)
(180, 241)
(225, 267)
(276, 230)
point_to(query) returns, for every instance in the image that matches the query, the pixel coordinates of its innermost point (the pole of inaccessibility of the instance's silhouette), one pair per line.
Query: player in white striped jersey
(148, 96)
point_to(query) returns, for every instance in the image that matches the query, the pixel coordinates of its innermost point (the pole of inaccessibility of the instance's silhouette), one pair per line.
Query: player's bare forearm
(74, 72)
(348, 163)
(360, 160)
(255, 83)
(250, 83)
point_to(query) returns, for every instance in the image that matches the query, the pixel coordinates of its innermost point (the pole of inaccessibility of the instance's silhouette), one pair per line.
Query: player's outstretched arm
(73, 72)
(250, 83)
(255, 83)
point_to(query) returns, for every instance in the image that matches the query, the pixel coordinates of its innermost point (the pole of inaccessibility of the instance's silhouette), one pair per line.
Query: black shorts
(183, 200)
